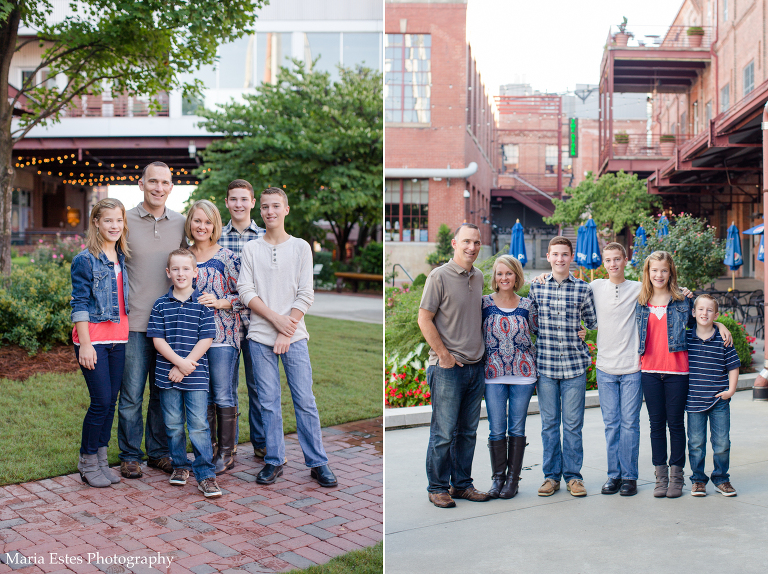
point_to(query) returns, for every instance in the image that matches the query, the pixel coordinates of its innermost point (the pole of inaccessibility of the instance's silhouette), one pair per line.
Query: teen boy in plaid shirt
(562, 359)
(240, 230)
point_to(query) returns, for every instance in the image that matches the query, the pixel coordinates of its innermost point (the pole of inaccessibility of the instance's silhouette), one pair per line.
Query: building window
(406, 204)
(550, 159)
(326, 49)
(725, 98)
(725, 10)
(407, 78)
(361, 50)
(235, 64)
(511, 153)
(272, 50)
(683, 123)
(708, 113)
(749, 77)
(695, 117)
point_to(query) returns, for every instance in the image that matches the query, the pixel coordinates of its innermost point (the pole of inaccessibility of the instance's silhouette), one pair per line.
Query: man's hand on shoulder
(540, 279)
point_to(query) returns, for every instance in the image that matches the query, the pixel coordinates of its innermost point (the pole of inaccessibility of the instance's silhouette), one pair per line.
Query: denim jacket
(94, 288)
(679, 315)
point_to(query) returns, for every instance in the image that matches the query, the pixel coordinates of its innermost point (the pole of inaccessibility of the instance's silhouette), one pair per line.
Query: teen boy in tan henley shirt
(450, 317)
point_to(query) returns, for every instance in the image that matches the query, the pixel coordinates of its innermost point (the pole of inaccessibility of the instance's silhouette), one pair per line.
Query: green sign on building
(573, 137)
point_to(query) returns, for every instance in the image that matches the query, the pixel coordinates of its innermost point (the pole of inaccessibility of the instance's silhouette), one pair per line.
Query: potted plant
(622, 142)
(622, 36)
(695, 36)
(667, 144)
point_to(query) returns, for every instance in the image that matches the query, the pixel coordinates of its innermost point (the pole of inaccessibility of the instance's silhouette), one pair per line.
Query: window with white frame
(749, 77)
(511, 157)
(725, 97)
(550, 159)
(407, 78)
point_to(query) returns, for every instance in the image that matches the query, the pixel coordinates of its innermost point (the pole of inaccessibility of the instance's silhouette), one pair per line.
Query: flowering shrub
(741, 341)
(405, 380)
(61, 251)
(592, 369)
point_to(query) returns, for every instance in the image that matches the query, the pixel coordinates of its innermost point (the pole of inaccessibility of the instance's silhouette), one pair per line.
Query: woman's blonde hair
(646, 289)
(516, 268)
(212, 212)
(94, 242)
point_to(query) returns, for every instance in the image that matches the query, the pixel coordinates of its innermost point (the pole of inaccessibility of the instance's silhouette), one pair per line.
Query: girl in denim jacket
(100, 314)
(662, 313)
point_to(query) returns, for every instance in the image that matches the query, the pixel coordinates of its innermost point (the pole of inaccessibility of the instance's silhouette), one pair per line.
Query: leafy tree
(615, 200)
(695, 248)
(139, 48)
(443, 250)
(321, 141)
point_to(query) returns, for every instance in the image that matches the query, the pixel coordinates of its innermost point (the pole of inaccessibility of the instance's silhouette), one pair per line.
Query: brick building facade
(440, 163)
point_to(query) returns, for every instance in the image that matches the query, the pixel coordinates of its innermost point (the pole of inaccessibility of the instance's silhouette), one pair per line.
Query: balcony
(122, 106)
(667, 63)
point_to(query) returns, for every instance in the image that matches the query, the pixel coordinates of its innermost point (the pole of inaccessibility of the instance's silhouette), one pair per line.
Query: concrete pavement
(363, 308)
(593, 535)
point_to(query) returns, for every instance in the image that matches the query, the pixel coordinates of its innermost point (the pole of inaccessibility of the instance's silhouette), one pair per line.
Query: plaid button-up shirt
(233, 240)
(561, 307)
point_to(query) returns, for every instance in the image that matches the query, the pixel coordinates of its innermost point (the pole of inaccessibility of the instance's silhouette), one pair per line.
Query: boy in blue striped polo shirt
(183, 330)
(713, 374)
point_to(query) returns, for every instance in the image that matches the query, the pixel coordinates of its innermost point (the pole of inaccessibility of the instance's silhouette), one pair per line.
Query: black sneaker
(179, 476)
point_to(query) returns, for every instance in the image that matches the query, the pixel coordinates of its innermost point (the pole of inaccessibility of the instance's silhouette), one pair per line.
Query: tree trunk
(9, 29)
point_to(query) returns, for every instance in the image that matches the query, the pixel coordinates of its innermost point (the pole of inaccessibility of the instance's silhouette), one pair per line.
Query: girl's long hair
(646, 289)
(93, 240)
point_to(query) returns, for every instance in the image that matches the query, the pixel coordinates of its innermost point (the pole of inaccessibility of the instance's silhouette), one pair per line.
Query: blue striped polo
(182, 324)
(708, 365)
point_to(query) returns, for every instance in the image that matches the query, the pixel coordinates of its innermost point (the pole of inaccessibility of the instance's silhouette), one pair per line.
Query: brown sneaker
(549, 487)
(470, 493)
(165, 464)
(179, 476)
(130, 469)
(726, 489)
(441, 499)
(576, 487)
(209, 488)
(698, 489)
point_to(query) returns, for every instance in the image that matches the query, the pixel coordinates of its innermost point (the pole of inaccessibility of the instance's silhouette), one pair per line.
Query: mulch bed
(17, 364)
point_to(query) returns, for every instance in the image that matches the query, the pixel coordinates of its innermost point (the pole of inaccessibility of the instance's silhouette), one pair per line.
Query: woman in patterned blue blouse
(510, 372)
(217, 272)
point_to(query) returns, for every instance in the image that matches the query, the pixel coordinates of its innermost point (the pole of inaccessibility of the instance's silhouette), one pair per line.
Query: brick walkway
(293, 523)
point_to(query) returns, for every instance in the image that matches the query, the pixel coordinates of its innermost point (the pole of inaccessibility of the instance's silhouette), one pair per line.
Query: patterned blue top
(561, 307)
(219, 276)
(708, 365)
(509, 350)
(182, 324)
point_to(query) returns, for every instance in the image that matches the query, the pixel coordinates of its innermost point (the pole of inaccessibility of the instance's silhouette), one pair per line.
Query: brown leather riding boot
(498, 449)
(516, 450)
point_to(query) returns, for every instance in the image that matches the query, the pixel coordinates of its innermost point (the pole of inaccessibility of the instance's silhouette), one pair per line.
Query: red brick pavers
(61, 525)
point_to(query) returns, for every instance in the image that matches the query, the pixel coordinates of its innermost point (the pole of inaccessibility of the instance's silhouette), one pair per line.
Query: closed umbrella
(581, 256)
(733, 258)
(591, 247)
(761, 250)
(640, 241)
(663, 226)
(517, 244)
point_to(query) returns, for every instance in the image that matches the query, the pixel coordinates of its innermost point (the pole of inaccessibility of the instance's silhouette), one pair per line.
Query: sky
(553, 44)
(131, 196)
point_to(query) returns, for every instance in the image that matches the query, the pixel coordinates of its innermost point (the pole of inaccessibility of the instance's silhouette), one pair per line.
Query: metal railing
(646, 146)
(675, 37)
(542, 181)
(122, 106)
(404, 271)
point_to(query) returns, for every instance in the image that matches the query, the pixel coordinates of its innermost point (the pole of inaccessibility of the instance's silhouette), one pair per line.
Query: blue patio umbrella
(758, 230)
(581, 256)
(733, 258)
(663, 226)
(761, 250)
(640, 241)
(591, 247)
(517, 244)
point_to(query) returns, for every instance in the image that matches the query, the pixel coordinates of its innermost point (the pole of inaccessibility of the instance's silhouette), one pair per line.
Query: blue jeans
(456, 401)
(140, 359)
(103, 385)
(192, 406)
(719, 416)
(222, 362)
(258, 440)
(562, 400)
(665, 397)
(621, 397)
(298, 372)
(501, 423)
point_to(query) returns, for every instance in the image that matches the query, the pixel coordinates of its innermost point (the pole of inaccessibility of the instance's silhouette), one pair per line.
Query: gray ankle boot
(90, 472)
(101, 456)
(662, 481)
(675, 482)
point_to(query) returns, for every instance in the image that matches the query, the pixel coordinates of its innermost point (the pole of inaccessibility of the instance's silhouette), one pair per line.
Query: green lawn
(366, 561)
(42, 417)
